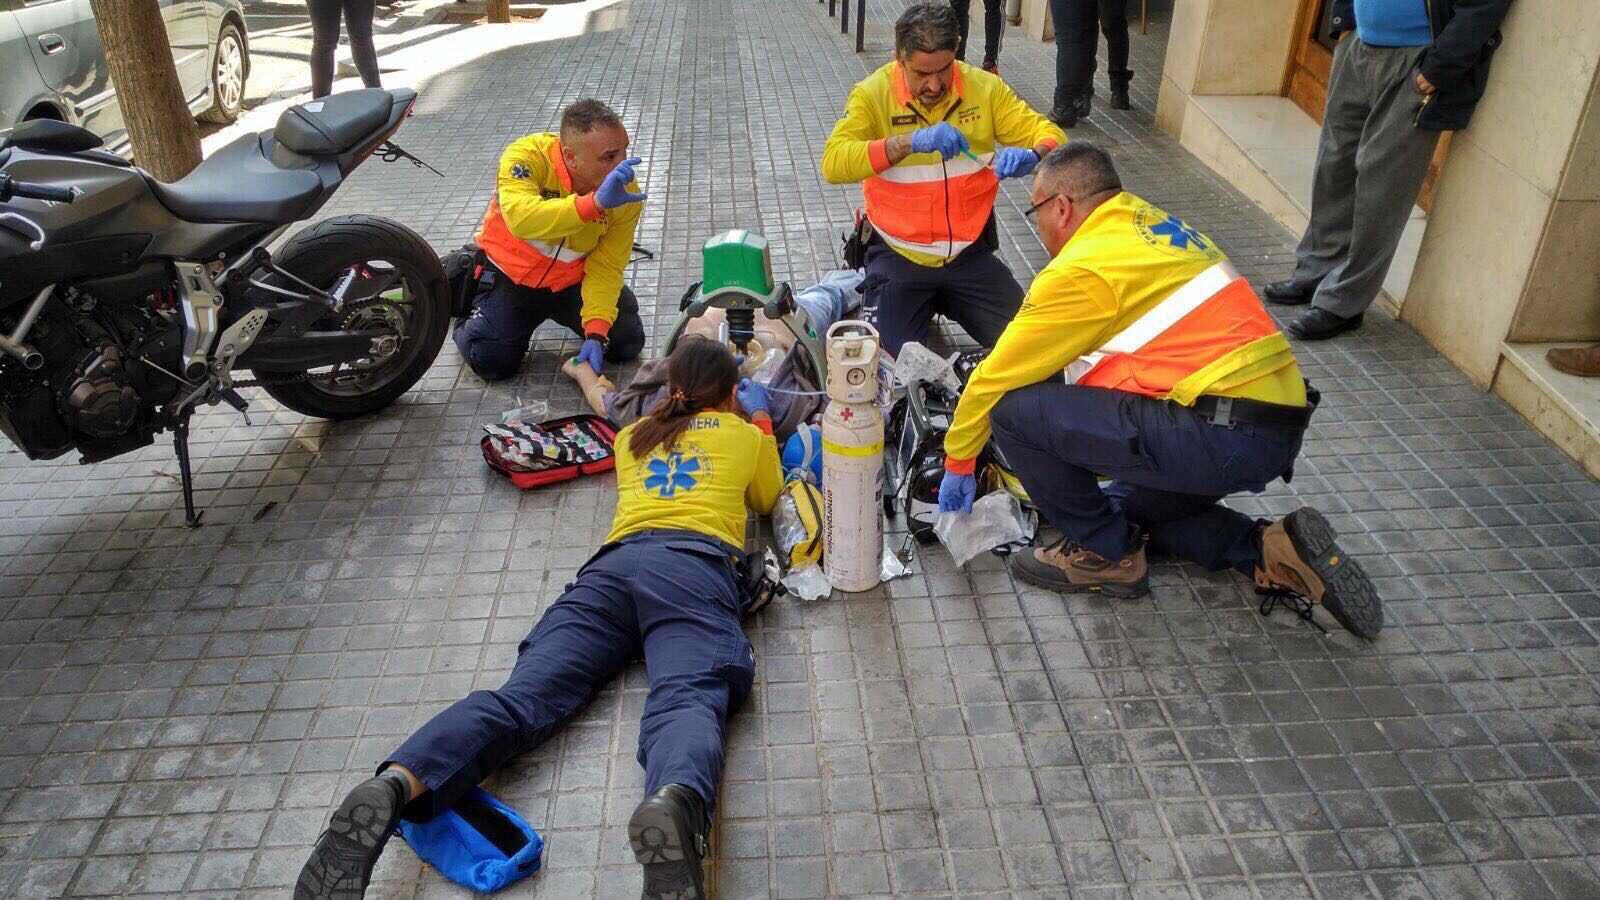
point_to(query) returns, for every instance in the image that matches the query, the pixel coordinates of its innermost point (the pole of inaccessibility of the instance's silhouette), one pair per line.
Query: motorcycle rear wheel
(399, 282)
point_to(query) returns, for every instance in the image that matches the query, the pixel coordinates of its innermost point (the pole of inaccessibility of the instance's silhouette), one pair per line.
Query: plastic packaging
(808, 582)
(917, 363)
(529, 413)
(769, 366)
(996, 519)
(797, 523)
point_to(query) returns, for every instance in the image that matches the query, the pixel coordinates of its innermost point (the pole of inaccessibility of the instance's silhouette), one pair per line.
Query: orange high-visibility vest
(938, 207)
(528, 262)
(1206, 318)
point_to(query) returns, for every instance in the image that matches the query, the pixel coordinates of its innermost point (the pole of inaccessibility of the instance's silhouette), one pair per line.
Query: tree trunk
(498, 10)
(166, 142)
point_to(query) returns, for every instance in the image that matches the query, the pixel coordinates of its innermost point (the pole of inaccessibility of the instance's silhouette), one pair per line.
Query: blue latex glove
(1014, 162)
(942, 139)
(956, 492)
(613, 192)
(752, 397)
(593, 354)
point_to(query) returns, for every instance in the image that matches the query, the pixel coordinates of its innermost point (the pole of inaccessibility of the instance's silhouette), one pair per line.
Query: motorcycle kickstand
(180, 442)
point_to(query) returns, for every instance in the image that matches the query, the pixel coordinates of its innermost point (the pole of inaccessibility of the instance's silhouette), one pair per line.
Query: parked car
(53, 67)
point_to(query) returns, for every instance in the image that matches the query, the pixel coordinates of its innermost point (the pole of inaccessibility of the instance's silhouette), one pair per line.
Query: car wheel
(229, 67)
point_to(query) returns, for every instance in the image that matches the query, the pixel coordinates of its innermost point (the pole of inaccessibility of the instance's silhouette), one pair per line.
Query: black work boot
(341, 863)
(1084, 103)
(1064, 116)
(1300, 554)
(668, 834)
(1119, 90)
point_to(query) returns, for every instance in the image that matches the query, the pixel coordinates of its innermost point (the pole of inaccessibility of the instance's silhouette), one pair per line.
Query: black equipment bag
(463, 269)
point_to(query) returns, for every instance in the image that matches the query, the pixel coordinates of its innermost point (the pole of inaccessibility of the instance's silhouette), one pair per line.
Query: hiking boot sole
(662, 843)
(1347, 593)
(1128, 591)
(341, 863)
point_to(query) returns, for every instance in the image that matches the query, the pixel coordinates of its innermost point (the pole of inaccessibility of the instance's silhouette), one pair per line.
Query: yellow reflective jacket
(542, 235)
(1127, 260)
(930, 209)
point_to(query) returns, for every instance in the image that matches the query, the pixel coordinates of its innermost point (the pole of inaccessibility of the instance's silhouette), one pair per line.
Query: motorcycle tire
(320, 254)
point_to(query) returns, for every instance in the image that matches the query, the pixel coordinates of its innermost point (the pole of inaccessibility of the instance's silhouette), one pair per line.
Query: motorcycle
(126, 303)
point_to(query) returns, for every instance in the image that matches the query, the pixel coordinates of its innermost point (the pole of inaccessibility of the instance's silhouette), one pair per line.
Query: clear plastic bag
(529, 413)
(808, 582)
(768, 367)
(798, 535)
(996, 519)
(917, 363)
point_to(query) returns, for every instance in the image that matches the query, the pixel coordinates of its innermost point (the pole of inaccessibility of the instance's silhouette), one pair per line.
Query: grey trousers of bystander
(1371, 163)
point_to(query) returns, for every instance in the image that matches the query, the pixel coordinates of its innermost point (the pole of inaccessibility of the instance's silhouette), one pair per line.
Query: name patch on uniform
(550, 194)
(903, 120)
(1169, 234)
(969, 116)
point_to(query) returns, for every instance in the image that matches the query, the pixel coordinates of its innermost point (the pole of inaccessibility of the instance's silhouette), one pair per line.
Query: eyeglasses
(1037, 206)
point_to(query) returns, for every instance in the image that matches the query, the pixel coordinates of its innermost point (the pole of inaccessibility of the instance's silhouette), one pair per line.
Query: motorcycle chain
(302, 377)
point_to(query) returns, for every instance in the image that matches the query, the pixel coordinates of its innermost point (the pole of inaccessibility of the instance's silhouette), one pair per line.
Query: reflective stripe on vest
(1209, 316)
(529, 262)
(937, 209)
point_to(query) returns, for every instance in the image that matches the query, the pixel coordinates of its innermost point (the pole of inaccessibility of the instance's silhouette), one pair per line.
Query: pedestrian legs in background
(1371, 162)
(994, 29)
(1114, 23)
(325, 41)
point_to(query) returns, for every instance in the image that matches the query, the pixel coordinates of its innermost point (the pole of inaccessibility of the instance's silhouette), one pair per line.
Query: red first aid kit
(534, 454)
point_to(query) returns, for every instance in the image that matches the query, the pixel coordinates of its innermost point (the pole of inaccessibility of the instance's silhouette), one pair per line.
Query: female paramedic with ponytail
(664, 585)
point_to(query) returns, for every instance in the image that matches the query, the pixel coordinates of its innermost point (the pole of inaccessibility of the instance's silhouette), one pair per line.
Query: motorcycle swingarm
(308, 351)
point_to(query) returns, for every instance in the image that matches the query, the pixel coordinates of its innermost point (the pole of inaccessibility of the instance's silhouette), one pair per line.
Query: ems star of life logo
(1169, 234)
(519, 170)
(672, 475)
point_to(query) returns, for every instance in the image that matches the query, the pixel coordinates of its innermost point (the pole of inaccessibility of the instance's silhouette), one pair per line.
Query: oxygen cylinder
(852, 459)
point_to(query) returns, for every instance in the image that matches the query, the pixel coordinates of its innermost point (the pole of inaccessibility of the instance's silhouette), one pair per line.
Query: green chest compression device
(736, 276)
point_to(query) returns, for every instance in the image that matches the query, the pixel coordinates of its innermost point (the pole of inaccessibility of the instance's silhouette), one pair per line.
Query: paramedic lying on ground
(663, 586)
(558, 235)
(1179, 387)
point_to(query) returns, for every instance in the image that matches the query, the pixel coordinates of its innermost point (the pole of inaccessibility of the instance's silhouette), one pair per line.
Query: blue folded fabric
(479, 843)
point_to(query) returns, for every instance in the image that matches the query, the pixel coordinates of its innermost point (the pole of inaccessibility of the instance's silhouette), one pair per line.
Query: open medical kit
(532, 454)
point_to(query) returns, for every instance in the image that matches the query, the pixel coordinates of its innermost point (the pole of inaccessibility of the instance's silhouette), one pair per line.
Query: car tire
(230, 68)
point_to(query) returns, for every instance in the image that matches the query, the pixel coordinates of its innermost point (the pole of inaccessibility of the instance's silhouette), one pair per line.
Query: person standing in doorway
(994, 29)
(1078, 23)
(1412, 69)
(325, 41)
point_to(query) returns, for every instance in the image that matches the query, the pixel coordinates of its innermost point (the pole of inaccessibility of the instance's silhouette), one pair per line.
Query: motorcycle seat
(240, 184)
(334, 124)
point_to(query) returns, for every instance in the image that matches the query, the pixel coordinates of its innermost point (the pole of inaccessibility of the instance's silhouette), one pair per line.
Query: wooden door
(1305, 79)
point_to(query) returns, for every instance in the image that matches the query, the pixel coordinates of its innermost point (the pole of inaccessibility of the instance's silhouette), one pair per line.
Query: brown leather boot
(1581, 361)
(1299, 554)
(1065, 566)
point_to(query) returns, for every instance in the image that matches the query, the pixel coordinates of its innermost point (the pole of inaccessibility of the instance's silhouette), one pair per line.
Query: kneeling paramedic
(1179, 387)
(930, 138)
(558, 236)
(663, 586)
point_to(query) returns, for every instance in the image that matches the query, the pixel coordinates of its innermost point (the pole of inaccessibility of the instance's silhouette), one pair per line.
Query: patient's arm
(595, 387)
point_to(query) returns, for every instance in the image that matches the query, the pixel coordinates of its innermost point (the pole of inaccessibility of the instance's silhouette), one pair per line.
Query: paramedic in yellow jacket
(558, 236)
(929, 139)
(1177, 386)
(663, 587)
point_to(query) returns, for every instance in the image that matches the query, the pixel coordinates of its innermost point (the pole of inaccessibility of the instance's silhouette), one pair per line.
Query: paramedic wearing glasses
(664, 587)
(558, 235)
(929, 138)
(1178, 386)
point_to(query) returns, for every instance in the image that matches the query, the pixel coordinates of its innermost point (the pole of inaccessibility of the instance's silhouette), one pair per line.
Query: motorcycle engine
(101, 381)
(99, 401)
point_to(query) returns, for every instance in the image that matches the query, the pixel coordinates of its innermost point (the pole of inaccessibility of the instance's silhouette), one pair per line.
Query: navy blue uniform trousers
(494, 340)
(672, 595)
(899, 297)
(1169, 468)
